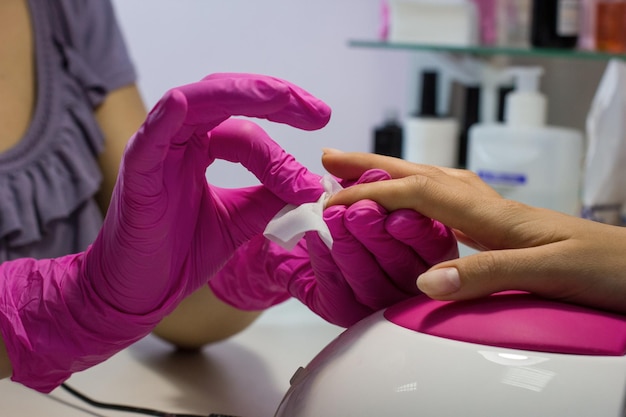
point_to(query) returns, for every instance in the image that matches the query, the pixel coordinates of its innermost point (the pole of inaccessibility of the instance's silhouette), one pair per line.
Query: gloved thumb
(489, 272)
(245, 142)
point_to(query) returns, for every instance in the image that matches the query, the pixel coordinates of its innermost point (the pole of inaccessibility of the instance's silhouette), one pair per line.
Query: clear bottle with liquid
(523, 158)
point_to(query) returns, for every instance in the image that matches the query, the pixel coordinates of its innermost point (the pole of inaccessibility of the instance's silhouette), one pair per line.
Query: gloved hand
(375, 260)
(166, 231)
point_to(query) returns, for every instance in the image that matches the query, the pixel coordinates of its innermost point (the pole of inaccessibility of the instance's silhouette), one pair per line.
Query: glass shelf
(490, 51)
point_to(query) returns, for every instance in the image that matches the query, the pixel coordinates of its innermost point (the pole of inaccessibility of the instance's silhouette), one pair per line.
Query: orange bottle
(611, 26)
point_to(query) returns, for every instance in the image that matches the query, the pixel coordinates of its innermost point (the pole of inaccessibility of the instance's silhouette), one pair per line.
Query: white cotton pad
(291, 223)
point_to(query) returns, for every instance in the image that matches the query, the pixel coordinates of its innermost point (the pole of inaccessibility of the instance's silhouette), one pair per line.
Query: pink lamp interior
(516, 320)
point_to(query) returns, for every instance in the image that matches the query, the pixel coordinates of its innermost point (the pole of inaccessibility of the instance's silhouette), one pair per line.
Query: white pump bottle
(522, 158)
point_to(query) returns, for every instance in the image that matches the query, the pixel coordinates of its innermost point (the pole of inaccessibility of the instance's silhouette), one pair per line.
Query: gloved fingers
(249, 211)
(432, 240)
(361, 270)
(190, 111)
(149, 146)
(199, 107)
(245, 142)
(371, 175)
(328, 294)
(366, 222)
(302, 110)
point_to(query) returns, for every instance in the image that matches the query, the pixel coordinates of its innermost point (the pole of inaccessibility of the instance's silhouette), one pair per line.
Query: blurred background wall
(306, 42)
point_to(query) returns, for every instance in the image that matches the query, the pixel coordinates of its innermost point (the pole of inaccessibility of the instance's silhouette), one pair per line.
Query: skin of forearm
(5, 364)
(202, 319)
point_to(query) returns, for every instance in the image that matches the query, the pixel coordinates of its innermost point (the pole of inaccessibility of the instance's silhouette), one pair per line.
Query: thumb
(249, 210)
(245, 142)
(489, 272)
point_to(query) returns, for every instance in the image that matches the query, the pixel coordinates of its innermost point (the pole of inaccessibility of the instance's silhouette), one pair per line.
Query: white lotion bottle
(524, 159)
(429, 138)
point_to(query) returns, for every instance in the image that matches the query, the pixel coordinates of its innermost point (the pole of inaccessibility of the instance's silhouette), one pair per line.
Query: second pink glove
(375, 260)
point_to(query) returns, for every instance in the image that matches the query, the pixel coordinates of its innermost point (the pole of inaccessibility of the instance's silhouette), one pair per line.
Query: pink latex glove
(166, 231)
(375, 260)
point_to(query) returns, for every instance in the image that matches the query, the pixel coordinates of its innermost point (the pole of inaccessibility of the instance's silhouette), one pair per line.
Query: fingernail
(331, 151)
(439, 282)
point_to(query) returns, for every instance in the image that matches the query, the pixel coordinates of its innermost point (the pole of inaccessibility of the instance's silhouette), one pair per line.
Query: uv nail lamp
(508, 355)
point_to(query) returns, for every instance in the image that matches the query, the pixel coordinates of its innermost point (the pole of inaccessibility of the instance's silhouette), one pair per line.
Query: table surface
(246, 375)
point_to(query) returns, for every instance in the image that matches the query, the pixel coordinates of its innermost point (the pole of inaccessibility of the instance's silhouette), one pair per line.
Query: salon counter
(245, 376)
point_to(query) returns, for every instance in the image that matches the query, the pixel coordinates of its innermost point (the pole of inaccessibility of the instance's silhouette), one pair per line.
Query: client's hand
(524, 248)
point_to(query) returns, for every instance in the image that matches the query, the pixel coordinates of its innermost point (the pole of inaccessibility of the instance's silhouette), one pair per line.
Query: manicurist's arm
(5, 364)
(119, 116)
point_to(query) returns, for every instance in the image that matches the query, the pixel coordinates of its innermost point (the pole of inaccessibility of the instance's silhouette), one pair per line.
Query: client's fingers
(351, 165)
(488, 272)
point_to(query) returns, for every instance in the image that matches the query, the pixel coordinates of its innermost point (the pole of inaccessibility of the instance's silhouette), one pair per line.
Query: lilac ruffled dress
(49, 180)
